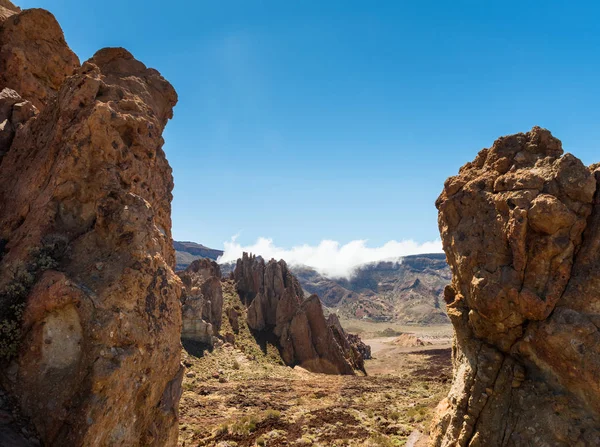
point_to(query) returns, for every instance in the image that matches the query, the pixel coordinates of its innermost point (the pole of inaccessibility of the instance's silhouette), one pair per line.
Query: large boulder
(276, 305)
(520, 227)
(202, 301)
(89, 305)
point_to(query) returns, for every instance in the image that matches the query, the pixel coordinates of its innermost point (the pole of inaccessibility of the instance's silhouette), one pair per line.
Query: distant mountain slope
(187, 252)
(407, 292)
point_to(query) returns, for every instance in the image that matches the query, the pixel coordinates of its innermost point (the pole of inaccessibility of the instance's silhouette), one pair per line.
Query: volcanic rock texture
(90, 316)
(521, 230)
(277, 307)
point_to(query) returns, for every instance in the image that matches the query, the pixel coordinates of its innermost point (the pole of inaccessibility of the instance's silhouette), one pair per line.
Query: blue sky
(309, 120)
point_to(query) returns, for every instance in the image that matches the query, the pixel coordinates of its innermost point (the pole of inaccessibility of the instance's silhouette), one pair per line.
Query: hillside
(188, 252)
(409, 292)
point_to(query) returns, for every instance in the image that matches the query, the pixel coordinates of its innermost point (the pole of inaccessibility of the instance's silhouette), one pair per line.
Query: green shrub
(14, 295)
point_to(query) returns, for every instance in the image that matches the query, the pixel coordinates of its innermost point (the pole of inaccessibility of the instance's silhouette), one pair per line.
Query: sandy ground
(391, 359)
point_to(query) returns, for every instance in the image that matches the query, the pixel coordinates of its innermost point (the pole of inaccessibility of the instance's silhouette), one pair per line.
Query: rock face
(14, 112)
(7, 9)
(89, 305)
(354, 348)
(202, 301)
(276, 305)
(34, 57)
(521, 229)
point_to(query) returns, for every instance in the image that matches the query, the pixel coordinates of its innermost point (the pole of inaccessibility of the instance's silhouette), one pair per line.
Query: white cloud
(330, 258)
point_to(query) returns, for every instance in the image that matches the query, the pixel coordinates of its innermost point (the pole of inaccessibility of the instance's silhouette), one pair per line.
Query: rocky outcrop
(355, 351)
(276, 305)
(202, 301)
(520, 227)
(363, 349)
(89, 305)
(14, 112)
(34, 57)
(7, 9)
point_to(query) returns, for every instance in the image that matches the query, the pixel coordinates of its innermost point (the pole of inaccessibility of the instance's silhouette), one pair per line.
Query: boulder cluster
(520, 226)
(90, 317)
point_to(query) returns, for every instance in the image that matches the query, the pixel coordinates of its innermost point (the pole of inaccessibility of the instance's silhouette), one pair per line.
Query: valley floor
(231, 399)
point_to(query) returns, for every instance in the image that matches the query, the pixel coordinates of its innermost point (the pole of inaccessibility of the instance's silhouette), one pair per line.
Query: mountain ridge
(408, 290)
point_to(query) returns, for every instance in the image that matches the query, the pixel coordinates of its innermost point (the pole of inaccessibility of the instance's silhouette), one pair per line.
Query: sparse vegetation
(255, 349)
(264, 403)
(14, 294)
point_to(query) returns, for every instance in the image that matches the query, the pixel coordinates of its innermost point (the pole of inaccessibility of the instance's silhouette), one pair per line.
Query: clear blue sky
(310, 120)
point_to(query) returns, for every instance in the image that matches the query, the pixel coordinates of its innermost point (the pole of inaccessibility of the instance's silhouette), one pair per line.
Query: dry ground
(236, 399)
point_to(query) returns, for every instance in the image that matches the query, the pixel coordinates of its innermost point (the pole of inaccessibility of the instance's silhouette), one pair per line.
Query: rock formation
(14, 112)
(353, 347)
(34, 57)
(276, 305)
(520, 227)
(202, 301)
(90, 316)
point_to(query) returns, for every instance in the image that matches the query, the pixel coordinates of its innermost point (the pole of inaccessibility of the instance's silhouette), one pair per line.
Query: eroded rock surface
(34, 57)
(276, 305)
(86, 284)
(202, 301)
(520, 227)
(354, 349)
(14, 112)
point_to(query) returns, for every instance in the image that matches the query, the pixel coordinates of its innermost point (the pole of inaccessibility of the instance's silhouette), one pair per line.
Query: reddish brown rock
(85, 193)
(520, 227)
(10, 6)
(202, 301)
(34, 57)
(276, 305)
(7, 9)
(14, 112)
(355, 350)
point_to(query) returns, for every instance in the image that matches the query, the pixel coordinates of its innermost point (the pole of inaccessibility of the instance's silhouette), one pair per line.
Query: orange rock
(522, 237)
(34, 57)
(85, 194)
